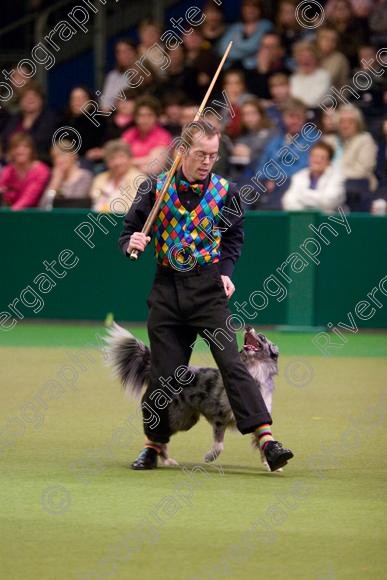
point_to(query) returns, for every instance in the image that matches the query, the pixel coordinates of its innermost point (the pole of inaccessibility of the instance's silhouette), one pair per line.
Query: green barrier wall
(350, 266)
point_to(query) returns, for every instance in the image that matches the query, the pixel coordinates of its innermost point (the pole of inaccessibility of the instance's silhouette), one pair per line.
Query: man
(192, 285)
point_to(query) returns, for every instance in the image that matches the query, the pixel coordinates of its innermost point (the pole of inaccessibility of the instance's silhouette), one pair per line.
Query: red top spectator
(147, 133)
(24, 179)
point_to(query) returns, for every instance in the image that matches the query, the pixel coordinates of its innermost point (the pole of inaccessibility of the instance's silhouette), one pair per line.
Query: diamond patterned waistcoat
(184, 239)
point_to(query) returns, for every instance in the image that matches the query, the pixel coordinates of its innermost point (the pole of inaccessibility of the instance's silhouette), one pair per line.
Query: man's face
(200, 157)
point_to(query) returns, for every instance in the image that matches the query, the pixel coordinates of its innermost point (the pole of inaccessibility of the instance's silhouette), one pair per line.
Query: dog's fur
(205, 394)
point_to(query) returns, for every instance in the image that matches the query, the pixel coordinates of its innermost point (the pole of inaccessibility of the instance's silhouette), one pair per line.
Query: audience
(256, 131)
(331, 59)
(319, 186)
(272, 84)
(24, 178)
(92, 136)
(270, 60)
(69, 184)
(246, 35)
(33, 118)
(147, 132)
(119, 179)
(125, 53)
(310, 82)
(358, 159)
(290, 145)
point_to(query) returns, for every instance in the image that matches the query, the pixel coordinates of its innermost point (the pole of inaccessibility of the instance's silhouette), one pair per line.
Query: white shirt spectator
(326, 195)
(310, 88)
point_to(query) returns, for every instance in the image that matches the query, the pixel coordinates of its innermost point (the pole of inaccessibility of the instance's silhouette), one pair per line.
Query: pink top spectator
(142, 145)
(22, 192)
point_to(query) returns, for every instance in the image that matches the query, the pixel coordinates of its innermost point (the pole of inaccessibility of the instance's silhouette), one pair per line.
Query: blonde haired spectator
(120, 175)
(319, 186)
(69, 185)
(359, 148)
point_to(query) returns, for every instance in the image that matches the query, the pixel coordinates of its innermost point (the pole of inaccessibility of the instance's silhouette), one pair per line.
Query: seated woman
(23, 179)
(359, 148)
(69, 185)
(319, 186)
(147, 133)
(33, 118)
(257, 129)
(116, 186)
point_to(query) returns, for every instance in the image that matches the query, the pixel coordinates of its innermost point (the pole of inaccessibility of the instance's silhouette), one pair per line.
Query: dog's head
(259, 349)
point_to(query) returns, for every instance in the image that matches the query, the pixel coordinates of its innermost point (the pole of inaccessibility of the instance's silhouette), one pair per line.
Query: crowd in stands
(280, 79)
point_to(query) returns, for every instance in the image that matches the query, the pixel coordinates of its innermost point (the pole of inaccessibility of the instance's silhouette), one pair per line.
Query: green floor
(71, 509)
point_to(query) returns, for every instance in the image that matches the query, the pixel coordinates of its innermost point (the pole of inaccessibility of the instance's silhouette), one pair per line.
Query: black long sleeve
(231, 225)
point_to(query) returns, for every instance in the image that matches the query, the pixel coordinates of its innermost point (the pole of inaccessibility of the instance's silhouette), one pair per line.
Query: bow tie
(185, 186)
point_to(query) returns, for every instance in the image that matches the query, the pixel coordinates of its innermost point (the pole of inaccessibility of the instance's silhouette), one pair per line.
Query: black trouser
(183, 305)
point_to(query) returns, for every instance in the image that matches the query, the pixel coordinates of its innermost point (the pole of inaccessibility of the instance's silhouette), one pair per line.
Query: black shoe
(147, 459)
(276, 455)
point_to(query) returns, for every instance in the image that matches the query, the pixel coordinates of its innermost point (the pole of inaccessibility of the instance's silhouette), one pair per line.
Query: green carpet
(71, 509)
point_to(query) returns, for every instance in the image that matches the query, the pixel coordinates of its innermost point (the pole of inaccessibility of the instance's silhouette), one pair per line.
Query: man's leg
(170, 346)
(242, 390)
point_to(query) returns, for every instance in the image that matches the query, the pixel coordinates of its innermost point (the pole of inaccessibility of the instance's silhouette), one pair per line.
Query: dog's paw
(170, 462)
(265, 465)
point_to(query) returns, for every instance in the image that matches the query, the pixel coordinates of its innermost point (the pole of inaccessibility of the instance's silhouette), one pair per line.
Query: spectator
(19, 85)
(246, 36)
(329, 127)
(319, 186)
(171, 118)
(359, 148)
(289, 28)
(200, 64)
(310, 82)
(126, 55)
(179, 77)
(289, 145)
(149, 33)
(69, 185)
(147, 132)
(332, 60)
(123, 117)
(257, 130)
(23, 179)
(269, 61)
(120, 175)
(234, 84)
(188, 112)
(351, 31)
(279, 89)
(371, 101)
(33, 119)
(213, 26)
(92, 137)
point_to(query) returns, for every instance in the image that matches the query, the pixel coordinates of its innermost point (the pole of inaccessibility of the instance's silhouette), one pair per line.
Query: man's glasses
(201, 156)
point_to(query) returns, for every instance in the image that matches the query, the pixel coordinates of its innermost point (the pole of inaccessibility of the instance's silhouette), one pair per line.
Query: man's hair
(293, 105)
(325, 147)
(205, 129)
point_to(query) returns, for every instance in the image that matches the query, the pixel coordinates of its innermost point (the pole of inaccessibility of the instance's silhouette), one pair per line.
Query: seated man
(319, 186)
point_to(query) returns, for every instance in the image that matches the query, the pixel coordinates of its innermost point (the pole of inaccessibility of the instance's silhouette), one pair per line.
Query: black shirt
(231, 226)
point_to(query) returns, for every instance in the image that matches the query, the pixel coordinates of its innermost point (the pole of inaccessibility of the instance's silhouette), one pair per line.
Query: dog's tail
(129, 359)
